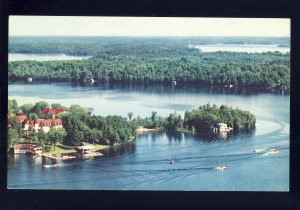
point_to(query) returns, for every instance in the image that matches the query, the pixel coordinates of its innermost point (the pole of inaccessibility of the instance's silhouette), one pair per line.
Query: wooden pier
(64, 157)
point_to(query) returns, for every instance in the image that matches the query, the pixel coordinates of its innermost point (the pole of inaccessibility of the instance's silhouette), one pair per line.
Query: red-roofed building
(45, 124)
(19, 118)
(52, 112)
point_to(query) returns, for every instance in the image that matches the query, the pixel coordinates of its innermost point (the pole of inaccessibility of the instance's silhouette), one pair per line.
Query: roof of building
(21, 118)
(52, 111)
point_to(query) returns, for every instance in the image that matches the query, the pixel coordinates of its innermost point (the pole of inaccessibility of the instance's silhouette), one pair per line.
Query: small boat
(50, 166)
(223, 167)
(275, 151)
(172, 161)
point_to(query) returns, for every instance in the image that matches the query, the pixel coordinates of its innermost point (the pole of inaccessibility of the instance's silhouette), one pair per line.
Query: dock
(64, 157)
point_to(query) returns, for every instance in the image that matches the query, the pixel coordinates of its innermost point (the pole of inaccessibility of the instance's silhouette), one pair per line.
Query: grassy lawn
(63, 149)
(59, 150)
(99, 147)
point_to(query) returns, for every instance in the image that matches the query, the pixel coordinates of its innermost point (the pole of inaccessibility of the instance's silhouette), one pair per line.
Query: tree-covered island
(142, 60)
(207, 116)
(57, 127)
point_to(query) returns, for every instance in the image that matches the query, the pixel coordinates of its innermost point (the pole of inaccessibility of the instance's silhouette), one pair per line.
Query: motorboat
(223, 167)
(50, 166)
(275, 151)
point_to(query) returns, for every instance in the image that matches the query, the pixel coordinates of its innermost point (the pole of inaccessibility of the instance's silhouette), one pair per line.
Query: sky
(146, 26)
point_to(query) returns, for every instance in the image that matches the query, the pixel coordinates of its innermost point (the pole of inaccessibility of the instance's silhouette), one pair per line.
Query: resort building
(45, 124)
(29, 126)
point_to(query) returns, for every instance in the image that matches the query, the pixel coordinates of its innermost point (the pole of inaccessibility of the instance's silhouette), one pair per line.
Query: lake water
(250, 48)
(144, 164)
(43, 57)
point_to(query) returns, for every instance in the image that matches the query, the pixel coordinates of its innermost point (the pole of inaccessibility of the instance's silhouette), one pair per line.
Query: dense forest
(153, 60)
(71, 45)
(79, 124)
(163, 64)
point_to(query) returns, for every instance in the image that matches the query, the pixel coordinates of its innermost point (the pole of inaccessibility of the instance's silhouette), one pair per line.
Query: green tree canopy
(12, 107)
(57, 106)
(25, 108)
(56, 135)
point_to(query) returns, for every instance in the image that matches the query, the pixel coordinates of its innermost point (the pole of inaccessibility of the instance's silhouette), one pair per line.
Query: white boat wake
(275, 151)
(260, 150)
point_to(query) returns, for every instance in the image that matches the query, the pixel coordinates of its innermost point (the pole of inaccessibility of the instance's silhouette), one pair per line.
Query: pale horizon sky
(146, 26)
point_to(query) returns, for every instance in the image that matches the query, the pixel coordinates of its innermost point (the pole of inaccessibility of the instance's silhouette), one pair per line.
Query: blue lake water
(249, 48)
(144, 163)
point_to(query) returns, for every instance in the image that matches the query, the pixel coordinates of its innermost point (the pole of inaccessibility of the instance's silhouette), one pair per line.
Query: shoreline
(142, 129)
(154, 83)
(61, 149)
(97, 147)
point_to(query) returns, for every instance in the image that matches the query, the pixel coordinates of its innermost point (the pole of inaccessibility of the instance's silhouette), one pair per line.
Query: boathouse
(221, 127)
(27, 148)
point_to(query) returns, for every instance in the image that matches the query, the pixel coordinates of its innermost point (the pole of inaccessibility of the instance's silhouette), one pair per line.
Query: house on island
(221, 127)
